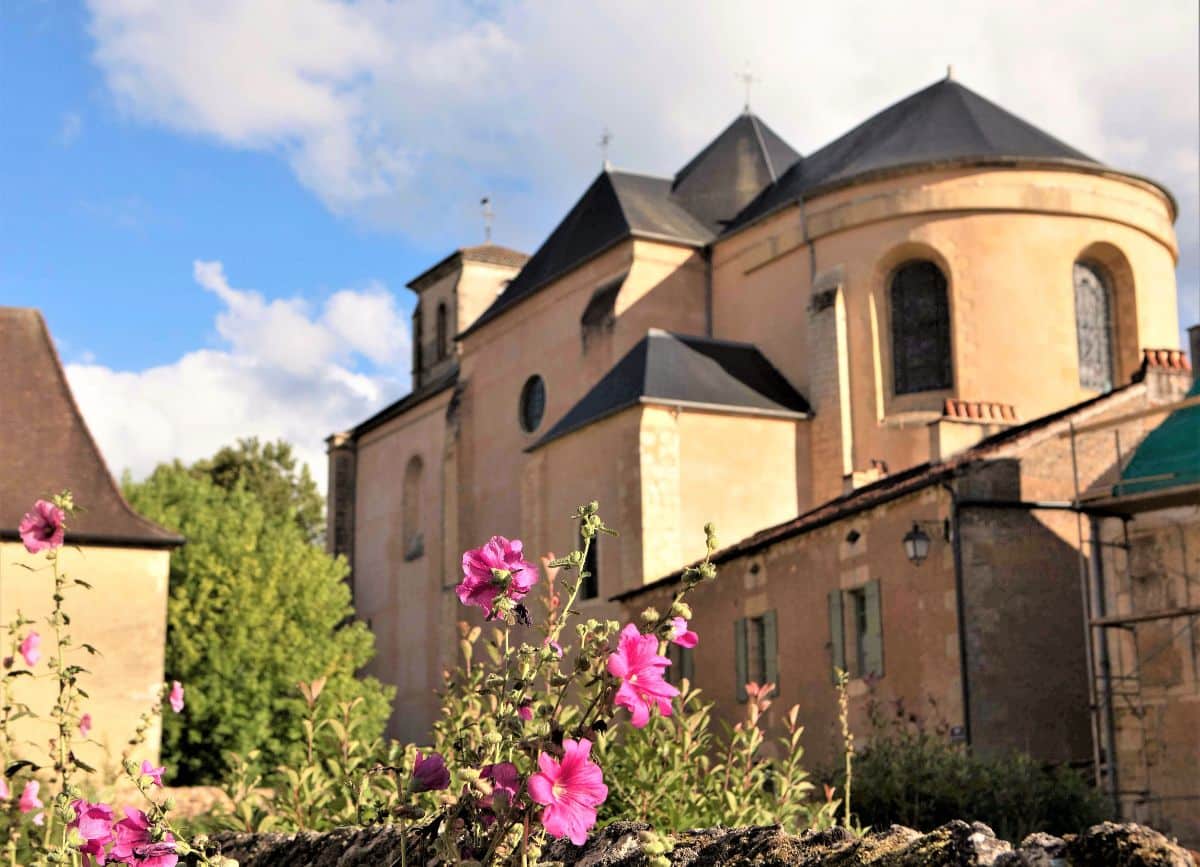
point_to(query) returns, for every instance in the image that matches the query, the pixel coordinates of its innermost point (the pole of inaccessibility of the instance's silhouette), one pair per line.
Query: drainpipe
(961, 608)
(1110, 724)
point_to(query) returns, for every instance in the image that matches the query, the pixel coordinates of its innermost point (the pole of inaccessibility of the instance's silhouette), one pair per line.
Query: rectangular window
(682, 664)
(756, 653)
(856, 614)
(590, 588)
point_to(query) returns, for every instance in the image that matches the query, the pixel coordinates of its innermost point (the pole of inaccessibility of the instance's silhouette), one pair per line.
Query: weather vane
(486, 207)
(748, 78)
(606, 138)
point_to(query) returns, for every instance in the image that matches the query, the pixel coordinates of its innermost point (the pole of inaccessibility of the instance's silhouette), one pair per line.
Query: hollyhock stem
(65, 693)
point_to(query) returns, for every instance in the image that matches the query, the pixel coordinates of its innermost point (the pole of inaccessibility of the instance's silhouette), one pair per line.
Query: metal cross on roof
(747, 78)
(485, 205)
(606, 138)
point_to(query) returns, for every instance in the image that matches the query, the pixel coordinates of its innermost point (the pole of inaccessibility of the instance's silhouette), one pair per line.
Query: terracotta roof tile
(45, 446)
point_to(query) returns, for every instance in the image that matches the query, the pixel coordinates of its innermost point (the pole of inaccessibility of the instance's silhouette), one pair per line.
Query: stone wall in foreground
(957, 844)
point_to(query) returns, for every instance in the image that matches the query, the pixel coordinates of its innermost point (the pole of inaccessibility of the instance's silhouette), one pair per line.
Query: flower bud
(650, 614)
(680, 608)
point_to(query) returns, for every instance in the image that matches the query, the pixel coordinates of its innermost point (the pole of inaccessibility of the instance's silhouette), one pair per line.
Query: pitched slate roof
(731, 170)
(683, 369)
(944, 122)
(616, 206)
(435, 386)
(492, 254)
(45, 446)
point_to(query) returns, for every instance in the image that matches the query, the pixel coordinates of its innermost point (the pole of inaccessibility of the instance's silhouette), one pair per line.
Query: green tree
(254, 609)
(272, 472)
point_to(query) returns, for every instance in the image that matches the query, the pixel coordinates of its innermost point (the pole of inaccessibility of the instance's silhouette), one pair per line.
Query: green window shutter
(771, 650)
(687, 667)
(739, 651)
(873, 644)
(837, 640)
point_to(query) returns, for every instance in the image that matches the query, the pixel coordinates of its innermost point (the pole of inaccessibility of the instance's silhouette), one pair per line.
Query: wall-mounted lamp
(916, 540)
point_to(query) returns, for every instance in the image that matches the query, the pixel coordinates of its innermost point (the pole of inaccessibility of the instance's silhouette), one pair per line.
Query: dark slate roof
(493, 254)
(683, 369)
(616, 206)
(945, 122)
(734, 168)
(46, 448)
(404, 404)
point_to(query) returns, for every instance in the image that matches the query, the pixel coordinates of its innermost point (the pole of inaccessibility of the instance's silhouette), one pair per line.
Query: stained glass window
(920, 329)
(1093, 326)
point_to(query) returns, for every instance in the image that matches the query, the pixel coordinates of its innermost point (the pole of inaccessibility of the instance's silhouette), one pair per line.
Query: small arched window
(920, 314)
(1093, 326)
(443, 337)
(533, 403)
(413, 536)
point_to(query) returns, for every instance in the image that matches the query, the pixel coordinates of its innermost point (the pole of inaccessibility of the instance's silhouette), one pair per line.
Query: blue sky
(217, 204)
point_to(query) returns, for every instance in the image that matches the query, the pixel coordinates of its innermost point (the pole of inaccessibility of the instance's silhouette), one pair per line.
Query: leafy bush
(254, 609)
(913, 775)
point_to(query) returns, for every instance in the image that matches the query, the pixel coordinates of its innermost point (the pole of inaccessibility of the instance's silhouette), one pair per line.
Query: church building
(829, 356)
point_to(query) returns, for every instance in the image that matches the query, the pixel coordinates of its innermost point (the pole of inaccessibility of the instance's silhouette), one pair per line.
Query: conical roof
(945, 122)
(731, 170)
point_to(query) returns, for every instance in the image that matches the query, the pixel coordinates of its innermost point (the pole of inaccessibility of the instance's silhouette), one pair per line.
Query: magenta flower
(95, 825)
(43, 528)
(570, 791)
(525, 712)
(640, 668)
(135, 844)
(85, 724)
(31, 649)
(29, 798)
(498, 568)
(176, 697)
(553, 645)
(155, 774)
(504, 779)
(429, 773)
(681, 635)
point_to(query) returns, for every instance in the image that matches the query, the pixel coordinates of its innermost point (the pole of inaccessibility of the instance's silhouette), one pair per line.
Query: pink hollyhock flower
(42, 529)
(95, 825)
(553, 645)
(429, 773)
(31, 649)
(176, 697)
(570, 791)
(504, 779)
(4, 792)
(498, 568)
(29, 797)
(134, 844)
(155, 774)
(39, 818)
(681, 635)
(640, 668)
(85, 724)
(525, 712)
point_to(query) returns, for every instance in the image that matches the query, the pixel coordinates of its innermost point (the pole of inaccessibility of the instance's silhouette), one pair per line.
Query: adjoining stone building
(891, 329)
(46, 448)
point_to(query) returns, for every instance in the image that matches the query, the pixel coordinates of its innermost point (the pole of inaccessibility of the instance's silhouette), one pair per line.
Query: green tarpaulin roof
(1169, 456)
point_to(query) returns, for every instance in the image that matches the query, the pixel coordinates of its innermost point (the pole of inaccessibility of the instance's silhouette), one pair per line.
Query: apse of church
(743, 342)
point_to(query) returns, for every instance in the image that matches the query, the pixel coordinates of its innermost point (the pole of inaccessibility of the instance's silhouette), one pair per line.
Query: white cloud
(283, 371)
(403, 114)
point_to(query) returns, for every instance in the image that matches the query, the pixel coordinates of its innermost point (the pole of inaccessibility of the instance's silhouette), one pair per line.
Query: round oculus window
(533, 403)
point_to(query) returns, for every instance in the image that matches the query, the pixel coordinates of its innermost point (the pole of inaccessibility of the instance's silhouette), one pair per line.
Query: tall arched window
(920, 314)
(414, 538)
(443, 338)
(1093, 326)
(418, 336)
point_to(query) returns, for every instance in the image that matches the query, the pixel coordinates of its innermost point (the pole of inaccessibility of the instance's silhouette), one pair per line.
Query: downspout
(706, 254)
(1110, 724)
(960, 608)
